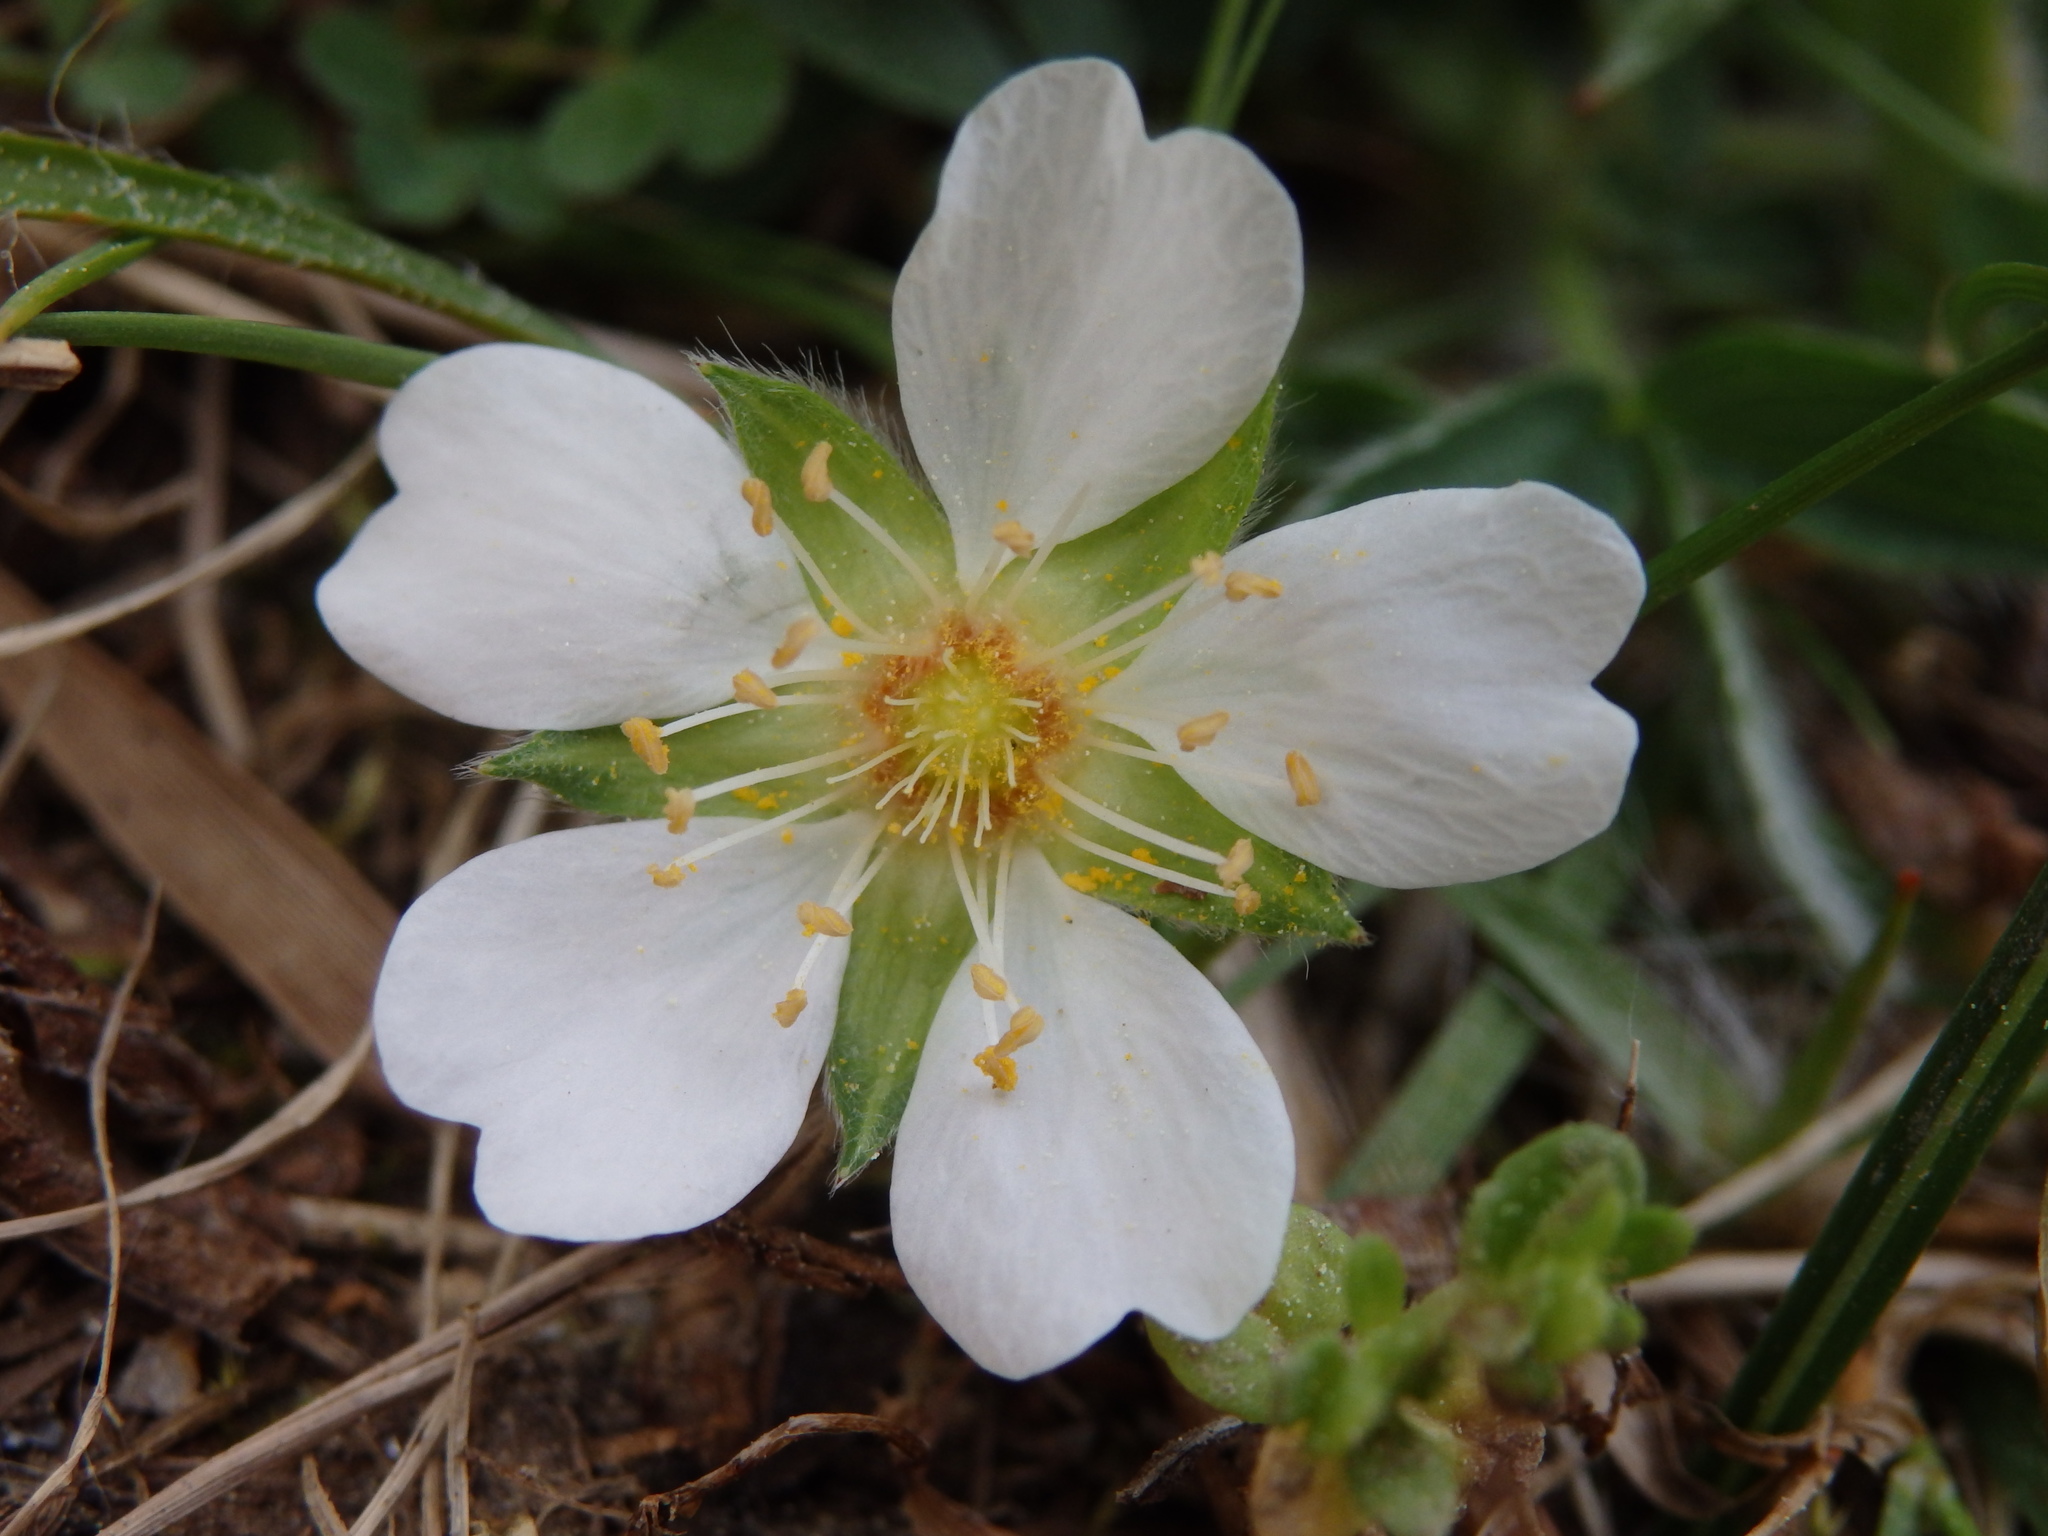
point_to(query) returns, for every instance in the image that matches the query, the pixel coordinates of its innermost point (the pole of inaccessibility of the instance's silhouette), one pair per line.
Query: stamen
(1202, 730)
(832, 598)
(749, 689)
(817, 475)
(1207, 569)
(669, 877)
(987, 984)
(1026, 1025)
(800, 633)
(791, 1005)
(1239, 585)
(1009, 764)
(758, 497)
(1192, 882)
(779, 771)
(1125, 614)
(1014, 536)
(982, 823)
(1052, 539)
(1135, 828)
(1245, 900)
(873, 762)
(1233, 869)
(645, 740)
(727, 711)
(1147, 755)
(817, 919)
(678, 805)
(1301, 778)
(720, 844)
(909, 780)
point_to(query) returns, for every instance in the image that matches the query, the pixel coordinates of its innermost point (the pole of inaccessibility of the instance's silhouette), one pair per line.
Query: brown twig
(811, 1261)
(460, 1388)
(668, 1512)
(326, 1518)
(1175, 1458)
(209, 662)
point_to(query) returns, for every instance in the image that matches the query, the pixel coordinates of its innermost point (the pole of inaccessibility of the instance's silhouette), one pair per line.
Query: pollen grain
(645, 739)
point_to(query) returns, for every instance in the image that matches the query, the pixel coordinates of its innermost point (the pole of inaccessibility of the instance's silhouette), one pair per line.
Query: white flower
(635, 1013)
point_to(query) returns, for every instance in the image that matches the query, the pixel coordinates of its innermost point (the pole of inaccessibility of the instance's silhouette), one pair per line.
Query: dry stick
(1821, 1140)
(457, 1476)
(411, 1462)
(320, 1222)
(326, 1518)
(1725, 1276)
(298, 1112)
(440, 1187)
(60, 1476)
(21, 736)
(279, 528)
(209, 663)
(418, 1366)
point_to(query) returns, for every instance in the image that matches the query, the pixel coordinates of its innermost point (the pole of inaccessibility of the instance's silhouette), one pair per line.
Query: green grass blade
(1447, 1096)
(67, 277)
(1921, 1158)
(1647, 37)
(250, 341)
(45, 179)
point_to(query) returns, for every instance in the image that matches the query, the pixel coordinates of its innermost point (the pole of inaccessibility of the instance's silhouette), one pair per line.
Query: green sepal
(776, 423)
(1541, 1191)
(1085, 580)
(910, 934)
(1240, 1373)
(1294, 895)
(596, 770)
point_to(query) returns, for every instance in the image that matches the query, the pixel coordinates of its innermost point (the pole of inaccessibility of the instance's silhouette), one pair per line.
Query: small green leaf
(134, 76)
(44, 179)
(595, 770)
(1652, 1239)
(1087, 579)
(410, 175)
(1294, 895)
(777, 422)
(1537, 1183)
(910, 934)
(1375, 1283)
(510, 186)
(363, 64)
(1408, 1477)
(602, 136)
(725, 81)
(255, 132)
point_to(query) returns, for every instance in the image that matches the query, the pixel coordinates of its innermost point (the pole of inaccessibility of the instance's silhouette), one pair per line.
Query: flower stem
(68, 276)
(1848, 460)
(251, 341)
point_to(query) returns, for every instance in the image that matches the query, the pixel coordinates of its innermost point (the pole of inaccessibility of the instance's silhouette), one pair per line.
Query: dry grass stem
(321, 1222)
(1724, 1276)
(440, 1190)
(326, 1518)
(209, 663)
(460, 1387)
(426, 1437)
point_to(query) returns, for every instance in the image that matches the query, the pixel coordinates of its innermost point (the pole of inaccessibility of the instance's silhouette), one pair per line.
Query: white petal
(1432, 657)
(568, 547)
(1089, 313)
(1142, 1162)
(612, 1038)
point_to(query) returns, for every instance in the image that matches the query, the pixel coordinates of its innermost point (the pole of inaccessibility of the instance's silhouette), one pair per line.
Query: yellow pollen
(646, 742)
(667, 878)
(1239, 585)
(678, 805)
(1026, 1025)
(1079, 882)
(799, 634)
(1245, 899)
(817, 478)
(1302, 778)
(842, 626)
(1234, 868)
(1013, 535)
(788, 836)
(1208, 569)
(987, 984)
(1002, 506)
(749, 689)
(756, 492)
(1202, 730)
(791, 1005)
(817, 919)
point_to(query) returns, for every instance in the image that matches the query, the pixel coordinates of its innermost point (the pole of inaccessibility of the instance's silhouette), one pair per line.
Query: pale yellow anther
(987, 984)
(1234, 868)
(794, 639)
(817, 919)
(645, 739)
(1245, 899)
(1208, 569)
(1239, 585)
(791, 1005)
(666, 876)
(1001, 1070)
(749, 689)
(1202, 730)
(1026, 1025)
(1014, 536)
(817, 479)
(1308, 790)
(758, 497)
(678, 805)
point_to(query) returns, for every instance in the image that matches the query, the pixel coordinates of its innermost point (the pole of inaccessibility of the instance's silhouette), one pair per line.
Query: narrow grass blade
(1906, 1182)
(67, 277)
(1648, 37)
(1447, 1096)
(46, 179)
(250, 341)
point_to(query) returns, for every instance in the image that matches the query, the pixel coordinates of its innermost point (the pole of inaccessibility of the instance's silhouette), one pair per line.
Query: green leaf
(1295, 953)
(1514, 1216)
(1375, 1283)
(1554, 427)
(411, 175)
(254, 132)
(602, 136)
(725, 81)
(134, 76)
(1755, 401)
(363, 64)
(934, 58)
(43, 179)
(596, 770)
(1652, 1239)
(1087, 579)
(1920, 1160)
(1408, 1477)
(776, 423)
(1448, 1096)
(1650, 35)
(510, 186)
(1294, 895)
(910, 934)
